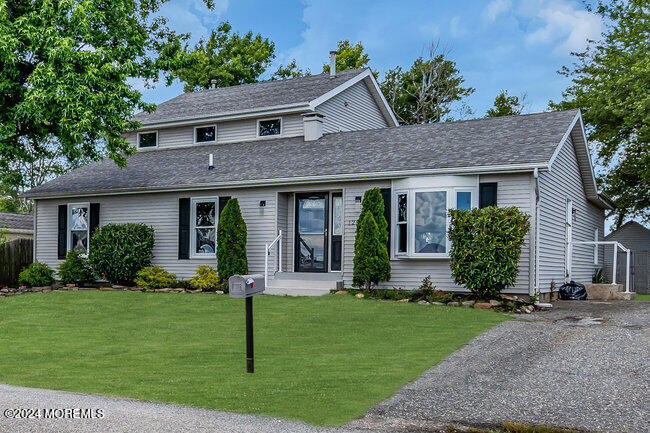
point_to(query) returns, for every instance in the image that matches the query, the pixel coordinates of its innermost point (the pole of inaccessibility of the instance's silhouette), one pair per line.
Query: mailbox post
(247, 286)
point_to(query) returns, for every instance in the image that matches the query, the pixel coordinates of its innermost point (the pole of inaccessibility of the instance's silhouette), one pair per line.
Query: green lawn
(322, 360)
(641, 297)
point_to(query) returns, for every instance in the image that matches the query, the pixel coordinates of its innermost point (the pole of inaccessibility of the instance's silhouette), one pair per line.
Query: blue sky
(498, 44)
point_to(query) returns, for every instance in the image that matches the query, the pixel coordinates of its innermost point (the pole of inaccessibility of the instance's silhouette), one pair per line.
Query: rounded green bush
(207, 279)
(75, 269)
(119, 251)
(36, 275)
(154, 277)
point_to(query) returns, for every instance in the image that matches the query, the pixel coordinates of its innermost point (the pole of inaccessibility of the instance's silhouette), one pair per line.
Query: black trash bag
(573, 292)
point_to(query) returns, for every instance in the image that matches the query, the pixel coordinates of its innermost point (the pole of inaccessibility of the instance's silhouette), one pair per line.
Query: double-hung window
(421, 217)
(147, 139)
(78, 227)
(204, 227)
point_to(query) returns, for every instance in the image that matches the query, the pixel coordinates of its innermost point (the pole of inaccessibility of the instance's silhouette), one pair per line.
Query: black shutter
(487, 194)
(385, 194)
(184, 229)
(94, 218)
(63, 231)
(222, 203)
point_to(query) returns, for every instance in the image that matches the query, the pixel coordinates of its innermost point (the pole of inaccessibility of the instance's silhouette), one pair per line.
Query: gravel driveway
(583, 365)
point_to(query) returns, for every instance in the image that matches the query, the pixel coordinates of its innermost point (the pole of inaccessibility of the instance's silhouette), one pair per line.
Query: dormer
(344, 101)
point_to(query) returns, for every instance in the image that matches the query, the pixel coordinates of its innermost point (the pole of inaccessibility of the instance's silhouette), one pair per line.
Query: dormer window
(269, 127)
(205, 134)
(147, 139)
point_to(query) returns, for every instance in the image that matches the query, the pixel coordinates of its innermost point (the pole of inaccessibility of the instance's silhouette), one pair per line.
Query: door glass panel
(431, 222)
(463, 200)
(311, 234)
(337, 215)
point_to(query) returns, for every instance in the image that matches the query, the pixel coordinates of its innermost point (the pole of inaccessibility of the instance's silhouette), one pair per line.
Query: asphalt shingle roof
(512, 140)
(265, 94)
(16, 221)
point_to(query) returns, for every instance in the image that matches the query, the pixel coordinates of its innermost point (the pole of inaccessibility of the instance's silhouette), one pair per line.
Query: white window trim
(69, 226)
(147, 132)
(193, 227)
(410, 219)
(206, 126)
(266, 137)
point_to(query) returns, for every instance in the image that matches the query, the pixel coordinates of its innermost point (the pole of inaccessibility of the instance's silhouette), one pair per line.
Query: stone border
(6, 291)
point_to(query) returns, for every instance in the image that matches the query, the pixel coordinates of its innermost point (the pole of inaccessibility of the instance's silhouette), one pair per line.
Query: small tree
(371, 263)
(231, 242)
(373, 202)
(485, 248)
(119, 251)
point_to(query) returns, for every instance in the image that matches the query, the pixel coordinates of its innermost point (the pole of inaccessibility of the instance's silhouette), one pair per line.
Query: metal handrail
(617, 246)
(277, 240)
(311, 250)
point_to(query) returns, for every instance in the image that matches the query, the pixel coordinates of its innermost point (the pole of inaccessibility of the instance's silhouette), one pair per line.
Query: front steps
(303, 283)
(607, 292)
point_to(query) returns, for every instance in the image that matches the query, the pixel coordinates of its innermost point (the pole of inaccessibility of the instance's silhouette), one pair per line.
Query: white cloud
(456, 29)
(496, 8)
(564, 24)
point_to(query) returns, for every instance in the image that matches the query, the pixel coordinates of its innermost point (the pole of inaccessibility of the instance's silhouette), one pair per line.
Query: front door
(311, 232)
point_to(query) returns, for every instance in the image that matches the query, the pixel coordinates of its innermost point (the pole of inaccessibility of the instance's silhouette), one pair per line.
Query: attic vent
(210, 162)
(332, 64)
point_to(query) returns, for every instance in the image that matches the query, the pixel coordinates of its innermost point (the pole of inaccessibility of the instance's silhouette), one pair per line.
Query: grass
(641, 297)
(322, 360)
(515, 428)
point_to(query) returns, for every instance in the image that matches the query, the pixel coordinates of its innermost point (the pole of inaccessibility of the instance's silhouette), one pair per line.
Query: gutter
(351, 177)
(537, 200)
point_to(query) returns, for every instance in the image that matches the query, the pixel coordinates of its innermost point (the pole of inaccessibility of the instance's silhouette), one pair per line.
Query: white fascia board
(351, 177)
(387, 106)
(235, 115)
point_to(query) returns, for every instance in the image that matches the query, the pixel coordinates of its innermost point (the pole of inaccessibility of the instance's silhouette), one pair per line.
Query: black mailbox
(245, 286)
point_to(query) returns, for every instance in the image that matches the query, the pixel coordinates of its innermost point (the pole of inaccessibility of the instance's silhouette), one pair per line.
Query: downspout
(537, 200)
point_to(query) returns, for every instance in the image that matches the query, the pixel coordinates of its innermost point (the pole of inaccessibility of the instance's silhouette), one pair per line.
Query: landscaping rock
(483, 305)
(509, 297)
(359, 295)
(453, 304)
(341, 292)
(437, 303)
(47, 290)
(87, 288)
(116, 287)
(495, 303)
(402, 300)
(178, 290)
(106, 288)
(70, 285)
(467, 303)
(423, 302)
(194, 291)
(165, 290)
(218, 292)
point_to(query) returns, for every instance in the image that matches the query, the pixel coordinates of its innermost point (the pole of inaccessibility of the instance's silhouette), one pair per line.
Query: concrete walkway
(583, 365)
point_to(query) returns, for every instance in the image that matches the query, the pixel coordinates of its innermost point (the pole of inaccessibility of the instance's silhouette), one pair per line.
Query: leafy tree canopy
(506, 105)
(67, 70)
(425, 93)
(290, 71)
(349, 56)
(226, 57)
(611, 85)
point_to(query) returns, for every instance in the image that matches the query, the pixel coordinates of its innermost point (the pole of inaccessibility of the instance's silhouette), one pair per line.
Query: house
(16, 225)
(635, 237)
(299, 155)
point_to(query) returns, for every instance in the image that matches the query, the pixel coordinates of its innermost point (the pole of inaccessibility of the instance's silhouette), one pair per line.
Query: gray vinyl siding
(631, 236)
(564, 182)
(361, 111)
(227, 132)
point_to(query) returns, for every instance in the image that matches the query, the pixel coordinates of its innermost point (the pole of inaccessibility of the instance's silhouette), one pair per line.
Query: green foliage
(207, 279)
(349, 56)
(610, 85)
(427, 91)
(485, 248)
(154, 277)
(598, 277)
(373, 202)
(371, 264)
(36, 275)
(506, 105)
(70, 70)
(75, 269)
(119, 251)
(290, 71)
(231, 242)
(226, 57)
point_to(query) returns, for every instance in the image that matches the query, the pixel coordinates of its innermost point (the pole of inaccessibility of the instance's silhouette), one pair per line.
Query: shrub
(231, 242)
(485, 248)
(598, 277)
(36, 275)
(373, 202)
(206, 279)
(371, 263)
(75, 269)
(154, 277)
(119, 251)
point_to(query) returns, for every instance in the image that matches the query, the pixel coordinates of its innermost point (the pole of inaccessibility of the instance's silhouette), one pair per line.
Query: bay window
(204, 227)
(420, 213)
